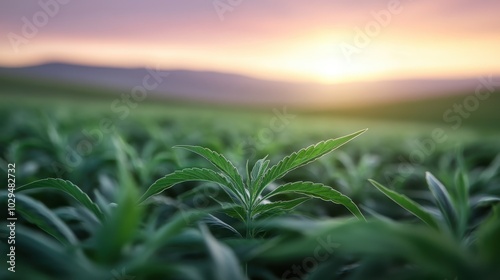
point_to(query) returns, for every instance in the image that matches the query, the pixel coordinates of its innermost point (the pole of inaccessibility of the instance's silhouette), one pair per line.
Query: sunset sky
(318, 41)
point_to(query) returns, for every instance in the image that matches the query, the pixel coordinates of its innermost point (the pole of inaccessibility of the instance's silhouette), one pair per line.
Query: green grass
(127, 203)
(432, 110)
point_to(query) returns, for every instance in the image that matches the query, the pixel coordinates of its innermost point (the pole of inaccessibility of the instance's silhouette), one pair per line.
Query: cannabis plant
(248, 197)
(457, 211)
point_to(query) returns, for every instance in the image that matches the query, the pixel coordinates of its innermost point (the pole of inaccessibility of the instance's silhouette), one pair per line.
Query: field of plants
(197, 192)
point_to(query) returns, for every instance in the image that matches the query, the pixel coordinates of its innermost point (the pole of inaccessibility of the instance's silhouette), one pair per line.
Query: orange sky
(317, 41)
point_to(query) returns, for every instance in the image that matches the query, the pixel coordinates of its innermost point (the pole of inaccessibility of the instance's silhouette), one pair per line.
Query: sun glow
(309, 58)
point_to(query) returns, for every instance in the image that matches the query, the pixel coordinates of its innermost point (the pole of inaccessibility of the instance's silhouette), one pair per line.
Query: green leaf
(81, 215)
(278, 206)
(303, 157)
(172, 228)
(317, 191)
(121, 227)
(44, 251)
(408, 204)
(214, 221)
(491, 171)
(220, 162)
(185, 175)
(420, 247)
(259, 168)
(41, 216)
(485, 200)
(68, 188)
(226, 264)
(488, 234)
(462, 202)
(256, 176)
(124, 154)
(234, 211)
(463, 184)
(443, 200)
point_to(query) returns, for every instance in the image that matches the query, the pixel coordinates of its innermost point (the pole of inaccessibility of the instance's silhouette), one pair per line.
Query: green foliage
(226, 264)
(67, 188)
(407, 204)
(380, 243)
(317, 191)
(454, 212)
(108, 225)
(488, 236)
(303, 157)
(443, 200)
(188, 174)
(38, 214)
(249, 198)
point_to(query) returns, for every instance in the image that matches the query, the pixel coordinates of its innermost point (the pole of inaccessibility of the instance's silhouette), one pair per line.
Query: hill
(442, 110)
(226, 88)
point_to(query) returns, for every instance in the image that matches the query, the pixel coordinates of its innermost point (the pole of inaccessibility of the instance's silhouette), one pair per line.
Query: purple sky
(287, 39)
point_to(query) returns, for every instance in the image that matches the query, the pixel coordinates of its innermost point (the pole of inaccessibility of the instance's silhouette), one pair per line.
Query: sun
(320, 61)
(328, 69)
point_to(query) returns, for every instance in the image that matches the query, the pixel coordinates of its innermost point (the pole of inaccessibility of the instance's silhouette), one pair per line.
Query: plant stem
(248, 222)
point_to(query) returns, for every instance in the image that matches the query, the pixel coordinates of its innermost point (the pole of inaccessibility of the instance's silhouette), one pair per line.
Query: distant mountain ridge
(227, 88)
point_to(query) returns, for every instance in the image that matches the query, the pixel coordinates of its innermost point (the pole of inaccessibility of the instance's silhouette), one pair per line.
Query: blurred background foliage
(180, 234)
